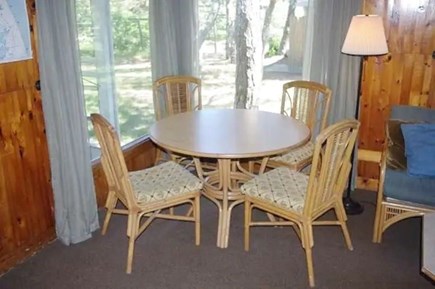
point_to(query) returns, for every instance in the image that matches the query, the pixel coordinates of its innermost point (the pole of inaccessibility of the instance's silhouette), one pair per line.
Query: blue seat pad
(399, 185)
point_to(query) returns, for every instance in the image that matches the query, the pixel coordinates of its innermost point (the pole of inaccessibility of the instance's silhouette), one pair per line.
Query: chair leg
(377, 227)
(309, 255)
(379, 222)
(132, 230)
(341, 215)
(251, 165)
(197, 215)
(248, 215)
(110, 205)
(307, 243)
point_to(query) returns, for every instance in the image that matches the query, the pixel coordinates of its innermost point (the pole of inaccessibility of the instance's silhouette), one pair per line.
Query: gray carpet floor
(166, 257)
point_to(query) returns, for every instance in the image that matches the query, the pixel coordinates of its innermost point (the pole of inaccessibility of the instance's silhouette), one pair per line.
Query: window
(114, 40)
(283, 50)
(115, 62)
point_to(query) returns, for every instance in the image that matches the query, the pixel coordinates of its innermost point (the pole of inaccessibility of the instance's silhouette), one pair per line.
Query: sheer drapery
(328, 22)
(65, 121)
(105, 60)
(174, 37)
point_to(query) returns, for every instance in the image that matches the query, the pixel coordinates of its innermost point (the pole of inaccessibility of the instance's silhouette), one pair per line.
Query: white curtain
(327, 26)
(328, 22)
(174, 37)
(65, 121)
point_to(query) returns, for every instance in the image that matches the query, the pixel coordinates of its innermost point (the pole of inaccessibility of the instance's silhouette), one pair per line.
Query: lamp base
(351, 207)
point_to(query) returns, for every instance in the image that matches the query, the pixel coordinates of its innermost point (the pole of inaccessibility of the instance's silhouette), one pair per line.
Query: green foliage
(84, 28)
(273, 46)
(130, 36)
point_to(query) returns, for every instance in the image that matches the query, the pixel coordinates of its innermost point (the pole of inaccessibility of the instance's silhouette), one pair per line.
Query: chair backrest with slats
(113, 161)
(176, 94)
(331, 165)
(307, 101)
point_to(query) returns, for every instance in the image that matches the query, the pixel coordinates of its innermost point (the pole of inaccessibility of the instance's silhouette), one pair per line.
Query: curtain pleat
(174, 37)
(328, 22)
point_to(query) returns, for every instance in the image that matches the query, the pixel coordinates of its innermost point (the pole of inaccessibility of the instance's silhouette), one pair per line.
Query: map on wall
(14, 31)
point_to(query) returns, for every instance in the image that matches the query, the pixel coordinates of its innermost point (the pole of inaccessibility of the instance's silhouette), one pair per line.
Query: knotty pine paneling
(26, 202)
(26, 197)
(406, 75)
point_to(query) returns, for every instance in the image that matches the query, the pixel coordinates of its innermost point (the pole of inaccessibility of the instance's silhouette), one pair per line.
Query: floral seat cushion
(162, 182)
(281, 187)
(296, 155)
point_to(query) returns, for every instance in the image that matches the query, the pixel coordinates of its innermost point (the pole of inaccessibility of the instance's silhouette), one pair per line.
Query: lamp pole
(364, 37)
(350, 206)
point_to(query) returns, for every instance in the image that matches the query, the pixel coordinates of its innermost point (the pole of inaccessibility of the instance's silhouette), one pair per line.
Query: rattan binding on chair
(176, 94)
(144, 193)
(307, 101)
(390, 211)
(299, 200)
(172, 95)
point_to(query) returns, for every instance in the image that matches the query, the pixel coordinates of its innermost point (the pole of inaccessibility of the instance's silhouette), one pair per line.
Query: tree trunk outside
(230, 45)
(266, 24)
(248, 53)
(286, 30)
(210, 23)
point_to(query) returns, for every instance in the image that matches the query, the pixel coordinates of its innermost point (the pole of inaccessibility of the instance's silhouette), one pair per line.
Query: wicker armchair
(299, 200)
(401, 196)
(307, 101)
(144, 193)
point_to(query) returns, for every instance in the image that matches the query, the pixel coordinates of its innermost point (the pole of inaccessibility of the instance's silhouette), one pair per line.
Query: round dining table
(228, 136)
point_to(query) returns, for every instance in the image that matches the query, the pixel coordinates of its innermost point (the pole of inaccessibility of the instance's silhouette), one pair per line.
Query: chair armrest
(382, 168)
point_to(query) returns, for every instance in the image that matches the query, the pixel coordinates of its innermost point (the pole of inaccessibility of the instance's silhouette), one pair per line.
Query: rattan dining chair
(299, 200)
(144, 193)
(172, 95)
(176, 94)
(307, 101)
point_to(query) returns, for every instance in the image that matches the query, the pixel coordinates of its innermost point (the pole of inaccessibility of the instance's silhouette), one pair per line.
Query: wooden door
(26, 201)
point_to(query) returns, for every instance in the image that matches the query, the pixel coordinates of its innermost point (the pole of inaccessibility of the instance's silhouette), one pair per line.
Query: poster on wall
(14, 31)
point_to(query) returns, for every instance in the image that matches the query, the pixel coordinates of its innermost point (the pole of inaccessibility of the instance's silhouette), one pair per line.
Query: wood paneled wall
(26, 198)
(406, 75)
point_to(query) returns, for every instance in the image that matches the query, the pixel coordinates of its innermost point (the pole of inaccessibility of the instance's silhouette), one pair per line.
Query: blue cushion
(399, 185)
(420, 149)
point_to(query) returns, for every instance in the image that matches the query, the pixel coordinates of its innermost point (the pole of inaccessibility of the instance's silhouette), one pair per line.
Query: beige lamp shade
(365, 36)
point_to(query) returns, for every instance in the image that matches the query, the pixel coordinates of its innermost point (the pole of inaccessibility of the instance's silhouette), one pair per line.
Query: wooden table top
(229, 133)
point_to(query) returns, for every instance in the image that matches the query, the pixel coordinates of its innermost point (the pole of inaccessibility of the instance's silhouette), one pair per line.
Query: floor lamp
(365, 37)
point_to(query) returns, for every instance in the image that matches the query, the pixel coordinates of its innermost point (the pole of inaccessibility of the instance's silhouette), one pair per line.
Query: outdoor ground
(218, 76)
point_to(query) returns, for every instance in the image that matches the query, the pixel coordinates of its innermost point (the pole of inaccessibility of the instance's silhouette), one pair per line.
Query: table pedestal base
(222, 187)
